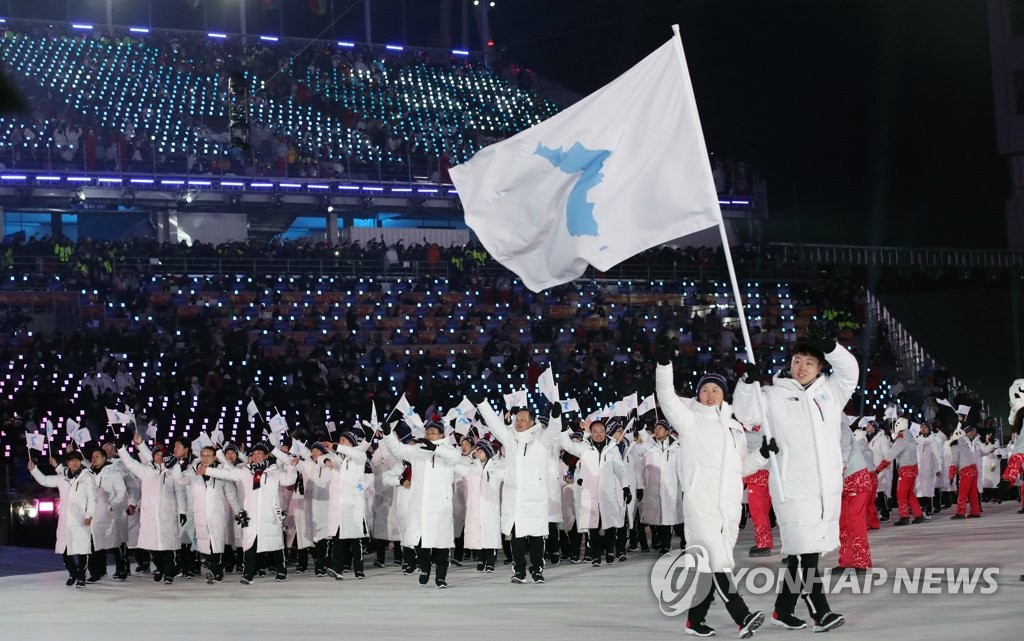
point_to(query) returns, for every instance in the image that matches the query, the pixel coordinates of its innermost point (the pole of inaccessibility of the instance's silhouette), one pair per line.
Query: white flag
(151, 430)
(516, 399)
(71, 426)
(570, 405)
(35, 441)
(251, 410)
(278, 424)
(621, 171)
(631, 402)
(199, 443)
(81, 437)
(891, 413)
(48, 428)
(620, 408)
(412, 419)
(374, 421)
(963, 410)
(546, 386)
(647, 405)
(217, 436)
(942, 401)
(115, 417)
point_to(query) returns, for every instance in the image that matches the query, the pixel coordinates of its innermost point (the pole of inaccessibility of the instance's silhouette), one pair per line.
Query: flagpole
(765, 428)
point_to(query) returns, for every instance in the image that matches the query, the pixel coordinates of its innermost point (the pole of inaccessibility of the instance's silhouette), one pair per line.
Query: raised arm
(46, 480)
(845, 372)
(575, 448)
(137, 469)
(497, 427)
(393, 476)
(357, 454)
(449, 455)
(145, 455)
(674, 409)
(227, 473)
(400, 451)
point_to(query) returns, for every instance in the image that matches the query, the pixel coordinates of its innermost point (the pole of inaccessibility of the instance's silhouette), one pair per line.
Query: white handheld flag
(622, 170)
(570, 405)
(516, 399)
(963, 410)
(82, 437)
(891, 413)
(35, 441)
(48, 428)
(251, 410)
(151, 430)
(278, 424)
(199, 443)
(546, 386)
(631, 402)
(71, 426)
(647, 405)
(217, 436)
(115, 417)
(942, 401)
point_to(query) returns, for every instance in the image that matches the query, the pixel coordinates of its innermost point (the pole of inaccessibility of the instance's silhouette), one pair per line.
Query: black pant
(216, 563)
(186, 560)
(552, 547)
(321, 552)
(98, 561)
(408, 557)
(163, 560)
(436, 556)
(726, 591)
(661, 537)
(621, 537)
(351, 554)
(142, 558)
(882, 505)
(519, 545)
(487, 558)
(76, 564)
(506, 547)
(926, 504)
(802, 575)
(302, 559)
(382, 548)
(460, 546)
(273, 560)
(604, 542)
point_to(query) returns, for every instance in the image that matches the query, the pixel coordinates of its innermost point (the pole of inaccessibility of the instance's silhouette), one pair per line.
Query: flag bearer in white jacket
(524, 497)
(316, 478)
(430, 503)
(213, 501)
(348, 507)
(109, 526)
(231, 457)
(162, 510)
(713, 458)
(483, 475)
(77, 510)
(662, 506)
(130, 522)
(804, 408)
(262, 517)
(386, 529)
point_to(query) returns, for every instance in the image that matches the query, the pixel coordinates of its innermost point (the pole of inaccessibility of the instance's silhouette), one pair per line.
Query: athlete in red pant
(759, 501)
(904, 452)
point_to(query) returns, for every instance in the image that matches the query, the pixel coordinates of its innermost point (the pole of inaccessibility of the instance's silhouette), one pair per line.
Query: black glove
(124, 439)
(427, 444)
(556, 410)
(385, 428)
(367, 432)
(820, 337)
(664, 350)
(242, 518)
(627, 495)
(752, 373)
(768, 446)
(579, 482)
(181, 519)
(640, 495)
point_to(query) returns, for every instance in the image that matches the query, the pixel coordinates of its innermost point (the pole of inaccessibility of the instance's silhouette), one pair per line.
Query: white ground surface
(577, 602)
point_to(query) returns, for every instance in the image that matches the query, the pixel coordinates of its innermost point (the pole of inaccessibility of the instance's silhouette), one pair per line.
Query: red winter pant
(1013, 468)
(968, 491)
(760, 503)
(858, 493)
(906, 497)
(873, 522)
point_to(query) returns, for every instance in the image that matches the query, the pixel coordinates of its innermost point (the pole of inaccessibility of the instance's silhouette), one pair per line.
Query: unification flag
(35, 441)
(81, 437)
(621, 171)
(546, 386)
(71, 426)
(646, 405)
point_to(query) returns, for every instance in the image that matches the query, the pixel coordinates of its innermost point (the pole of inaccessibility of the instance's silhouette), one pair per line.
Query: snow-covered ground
(577, 602)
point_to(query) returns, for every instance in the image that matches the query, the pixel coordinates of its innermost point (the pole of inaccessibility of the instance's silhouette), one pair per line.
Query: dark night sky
(871, 120)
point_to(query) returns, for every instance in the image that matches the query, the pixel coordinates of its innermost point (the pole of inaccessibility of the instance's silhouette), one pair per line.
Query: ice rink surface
(577, 602)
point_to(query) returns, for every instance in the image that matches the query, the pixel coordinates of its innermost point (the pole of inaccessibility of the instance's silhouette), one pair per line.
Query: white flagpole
(765, 428)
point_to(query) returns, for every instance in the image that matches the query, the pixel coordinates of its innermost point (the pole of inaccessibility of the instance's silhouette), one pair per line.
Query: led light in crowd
(394, 47)
(220, 36)
(269, 38)
(346, 44)
(139, 29)
(83, 27)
